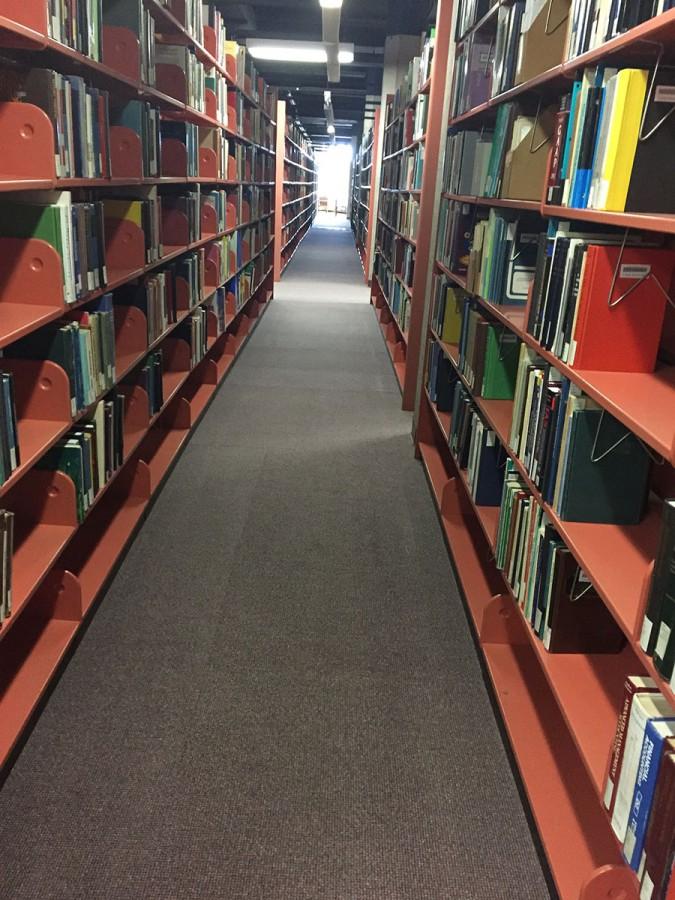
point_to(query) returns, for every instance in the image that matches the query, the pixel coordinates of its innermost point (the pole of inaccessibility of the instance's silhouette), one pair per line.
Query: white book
(609, 84)
(643, 708)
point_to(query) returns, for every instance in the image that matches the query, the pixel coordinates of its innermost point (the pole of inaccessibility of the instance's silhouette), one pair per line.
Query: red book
(670, 889)
(634, 684)
(624, 337)
(657, 860)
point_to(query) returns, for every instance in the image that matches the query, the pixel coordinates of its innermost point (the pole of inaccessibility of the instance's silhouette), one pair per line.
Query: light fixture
(330, 4)
(330, 129)
(296, 51)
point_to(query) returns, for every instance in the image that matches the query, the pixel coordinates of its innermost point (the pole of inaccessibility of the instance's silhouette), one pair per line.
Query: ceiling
(364, 23)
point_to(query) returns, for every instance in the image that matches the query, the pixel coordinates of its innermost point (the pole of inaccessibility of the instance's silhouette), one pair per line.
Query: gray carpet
(278, 697)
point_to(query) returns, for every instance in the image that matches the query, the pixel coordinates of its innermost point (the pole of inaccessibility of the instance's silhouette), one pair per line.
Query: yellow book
(231, 48)
(124, 209)
(629, 99)
(452, 320)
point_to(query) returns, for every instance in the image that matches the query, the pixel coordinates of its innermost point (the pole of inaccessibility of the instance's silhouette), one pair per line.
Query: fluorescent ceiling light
(296, 51)
(330, 129)
(330, 4)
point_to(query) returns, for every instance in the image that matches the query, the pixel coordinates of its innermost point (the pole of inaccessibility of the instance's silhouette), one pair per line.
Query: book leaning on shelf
(144, 120)
(184, 58)
(187, 135)
(74, 230)
(91, 452)
(442, 378)
(477, 450)
(149, 376)
(554, 595)
(142, 206)
(10, 456)
(6, 553)
(83, 345)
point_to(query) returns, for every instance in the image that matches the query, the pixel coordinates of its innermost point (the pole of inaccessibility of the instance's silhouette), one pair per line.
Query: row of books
(418, 73)
(91, 452)
(183, 58)
(587, 465)
(572, 313)
(502, 256)
(592, 22)
(600, 160)
(149, 376)
(639, 790)
(248, 163)
(398, 297)
(296, 133)
(248, 79)
(241, 287)
(488, 353)
(476, 449)
(468, 13)
(401, 212)
(405, 170)
(83, 345)
(555, 596)
(10, 456)
(411, 126)
(250, 122)
(195, 330)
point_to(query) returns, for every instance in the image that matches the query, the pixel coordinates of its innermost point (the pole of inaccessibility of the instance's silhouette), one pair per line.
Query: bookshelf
(216, 251)
(296, 190)
(366, 177)
(560, 710)
(413, 125)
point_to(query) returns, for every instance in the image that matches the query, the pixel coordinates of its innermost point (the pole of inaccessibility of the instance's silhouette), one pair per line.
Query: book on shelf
(555, 596)
(83, 346)
(659, 739)
(656, 864)
(645, 708)
(572, 313)
(453, 242)
(593, 22)
(213, 19)
(144, 120)
(6, 554)
(448, 305)
(488, 355)
(74, 230)
(143, 207)
(442, 378)
(77, 25)
(633, 685)
(187, 135)
(614, 137)
(184, 209)
(10, 455)
(503, 256)
(469, 12)
(148, 375)
(137, 19)
(476, 449)
(91, 452)
(183, 58)
(659, 620)
(194, 332)
(507, 40)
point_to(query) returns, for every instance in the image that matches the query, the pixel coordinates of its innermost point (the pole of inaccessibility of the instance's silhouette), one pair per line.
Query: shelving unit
(60, 565)
(366, 175)
(560, 710)
(296, 190)
(391, 292)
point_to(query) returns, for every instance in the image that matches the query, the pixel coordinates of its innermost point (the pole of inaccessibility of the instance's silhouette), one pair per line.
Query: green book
(501, 365)
(67, 457)
(25, 220)
(607, 471)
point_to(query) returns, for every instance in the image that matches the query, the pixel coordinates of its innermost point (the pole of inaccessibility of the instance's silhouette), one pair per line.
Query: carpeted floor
(279, 697)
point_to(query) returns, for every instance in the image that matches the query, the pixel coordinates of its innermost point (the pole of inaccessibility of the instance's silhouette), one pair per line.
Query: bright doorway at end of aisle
(333, 168)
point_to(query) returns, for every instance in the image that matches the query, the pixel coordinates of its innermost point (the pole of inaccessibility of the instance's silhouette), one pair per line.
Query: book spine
(630, 688)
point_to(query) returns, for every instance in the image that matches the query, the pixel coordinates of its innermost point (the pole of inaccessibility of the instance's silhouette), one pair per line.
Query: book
(633, 685)
(659, 738)
(6, 554)
(659, 845)
(10, 454)
(644, 708)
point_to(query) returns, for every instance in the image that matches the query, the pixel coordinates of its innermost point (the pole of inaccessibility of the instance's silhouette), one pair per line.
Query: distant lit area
(333, 168)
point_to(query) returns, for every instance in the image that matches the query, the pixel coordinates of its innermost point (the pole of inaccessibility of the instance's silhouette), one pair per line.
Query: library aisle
(279, 695)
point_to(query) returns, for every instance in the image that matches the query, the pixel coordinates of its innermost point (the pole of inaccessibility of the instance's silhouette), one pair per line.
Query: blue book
(564, 172)
(656, 734)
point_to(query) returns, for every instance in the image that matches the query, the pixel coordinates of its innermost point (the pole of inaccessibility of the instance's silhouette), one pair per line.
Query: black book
(554, 293)
(446, 381)
(541, 273)
(662, 567)
(651, 189)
